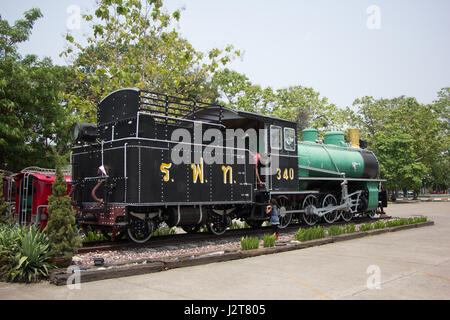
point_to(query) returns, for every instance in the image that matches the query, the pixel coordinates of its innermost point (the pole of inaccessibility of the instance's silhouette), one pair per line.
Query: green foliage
(417, 220)
(33, 116)
(249, 243)
(24, 253)
(5, 218)
(310, 234)
(235, 225)
(396, 222)
(61, 227)
(269, 240)
(349, 228)
(410, 139)
(94, 236)
(163, 232)
(379, 225)
(366, 227)
(134, 44)
(335, 231)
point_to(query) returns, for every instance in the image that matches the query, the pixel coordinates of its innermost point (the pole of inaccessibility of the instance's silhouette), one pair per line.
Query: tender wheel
(309, 203)
(217, 228)
(283, 205)
(346, 215)
(140, 231)
(191, 229)
(219, 223)
(330, 201)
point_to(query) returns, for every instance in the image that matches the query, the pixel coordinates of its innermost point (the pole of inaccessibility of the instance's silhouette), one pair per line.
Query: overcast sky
(343, 49)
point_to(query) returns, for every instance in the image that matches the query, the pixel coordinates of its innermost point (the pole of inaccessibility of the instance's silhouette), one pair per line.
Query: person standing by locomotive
(274, 221)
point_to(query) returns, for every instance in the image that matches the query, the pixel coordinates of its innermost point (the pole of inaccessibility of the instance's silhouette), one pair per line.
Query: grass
(379, 225)
(269, 240)
(366, 227)
(391, 223)
(349, 228)
(335, 231)
(249, 243)
(310, 234)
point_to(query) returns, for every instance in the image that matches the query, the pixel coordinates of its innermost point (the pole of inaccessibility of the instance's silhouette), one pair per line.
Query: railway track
(176, 240)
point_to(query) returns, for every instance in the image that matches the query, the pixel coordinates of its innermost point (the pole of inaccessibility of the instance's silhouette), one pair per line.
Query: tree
(33, 115)
(306, 107)
(133, 45)
(236, 91)
(61, 228)
(382, 120)
(395, 153)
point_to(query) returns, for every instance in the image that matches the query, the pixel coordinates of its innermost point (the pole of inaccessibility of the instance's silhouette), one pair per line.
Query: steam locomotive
(155, 158)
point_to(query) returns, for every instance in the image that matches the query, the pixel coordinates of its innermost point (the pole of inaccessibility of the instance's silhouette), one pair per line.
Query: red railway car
(32, 187)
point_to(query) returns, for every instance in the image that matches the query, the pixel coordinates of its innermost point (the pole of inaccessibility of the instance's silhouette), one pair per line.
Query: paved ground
(409, 264)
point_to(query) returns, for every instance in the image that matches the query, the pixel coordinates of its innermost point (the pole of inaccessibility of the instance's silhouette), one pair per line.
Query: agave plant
(27, 257)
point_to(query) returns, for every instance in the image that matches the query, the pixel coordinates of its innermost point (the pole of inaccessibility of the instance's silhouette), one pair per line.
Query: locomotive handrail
(166, 104)
(185, 120)
(322, 170)
(66, 171)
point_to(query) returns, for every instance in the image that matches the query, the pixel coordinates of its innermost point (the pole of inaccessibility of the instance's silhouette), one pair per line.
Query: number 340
(288, 174)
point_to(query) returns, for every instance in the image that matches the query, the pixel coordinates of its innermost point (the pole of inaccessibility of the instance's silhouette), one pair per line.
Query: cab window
(289, 139)
(275, 137)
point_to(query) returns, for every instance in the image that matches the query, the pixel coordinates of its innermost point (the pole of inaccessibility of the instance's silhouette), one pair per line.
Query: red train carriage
(33, 186)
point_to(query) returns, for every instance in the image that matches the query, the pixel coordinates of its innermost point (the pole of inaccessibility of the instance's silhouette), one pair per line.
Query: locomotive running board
(340, 179)
(293, 192)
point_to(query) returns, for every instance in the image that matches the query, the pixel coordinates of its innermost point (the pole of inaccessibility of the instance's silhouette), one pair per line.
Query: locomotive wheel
(372, 214)
(191, 229)
(346, 215)
(330, 201)
(140, 231)
(310, 201)
(283, 206)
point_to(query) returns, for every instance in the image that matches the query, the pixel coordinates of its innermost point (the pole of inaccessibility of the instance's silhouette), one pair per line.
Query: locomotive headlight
(84, 132)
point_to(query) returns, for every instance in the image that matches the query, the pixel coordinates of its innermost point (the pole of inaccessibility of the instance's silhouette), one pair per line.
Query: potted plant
(61, 227)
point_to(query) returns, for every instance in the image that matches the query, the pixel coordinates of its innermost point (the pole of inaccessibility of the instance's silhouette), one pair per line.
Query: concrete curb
(60, 277)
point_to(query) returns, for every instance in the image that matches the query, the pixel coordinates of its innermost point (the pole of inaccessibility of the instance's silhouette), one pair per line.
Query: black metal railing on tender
(169, 107)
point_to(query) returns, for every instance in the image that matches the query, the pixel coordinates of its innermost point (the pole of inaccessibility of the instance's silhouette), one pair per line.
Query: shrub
(5, 216)
(366, 227)
(61, 227)
(269, 240)
(249, 243)
(24, 254)
(379, 225)
(310, 234)
(335, 231)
